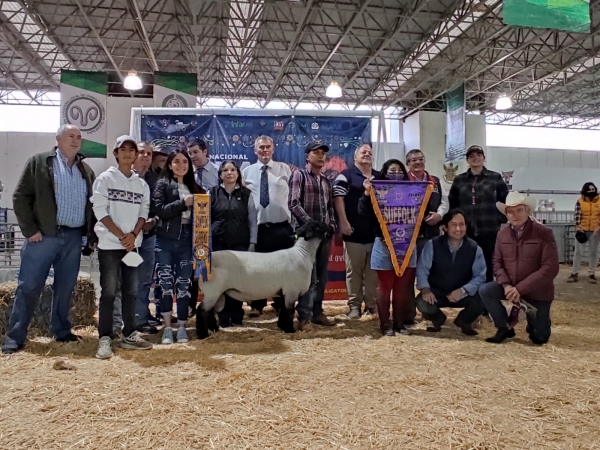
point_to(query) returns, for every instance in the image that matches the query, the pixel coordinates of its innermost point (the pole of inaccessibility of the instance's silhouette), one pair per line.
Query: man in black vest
(438, 202)
(449, 273)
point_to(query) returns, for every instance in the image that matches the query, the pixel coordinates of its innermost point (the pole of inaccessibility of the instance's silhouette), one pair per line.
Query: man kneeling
(525, 265)
(450, 270)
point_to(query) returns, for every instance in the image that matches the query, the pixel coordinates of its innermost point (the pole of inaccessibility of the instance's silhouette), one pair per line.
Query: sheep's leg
(286, 315)
(213, 324)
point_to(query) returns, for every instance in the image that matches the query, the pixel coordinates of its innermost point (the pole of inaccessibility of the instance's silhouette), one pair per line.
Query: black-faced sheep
(247, 276)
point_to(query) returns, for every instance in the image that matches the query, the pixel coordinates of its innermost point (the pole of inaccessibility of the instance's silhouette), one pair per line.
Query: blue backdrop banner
(232, 137)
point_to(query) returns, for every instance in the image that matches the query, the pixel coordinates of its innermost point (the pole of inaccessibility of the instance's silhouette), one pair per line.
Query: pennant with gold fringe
(400, 207)
(202, 238)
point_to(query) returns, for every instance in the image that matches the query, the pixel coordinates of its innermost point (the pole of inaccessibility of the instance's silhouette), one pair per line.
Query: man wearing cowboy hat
(525, 265)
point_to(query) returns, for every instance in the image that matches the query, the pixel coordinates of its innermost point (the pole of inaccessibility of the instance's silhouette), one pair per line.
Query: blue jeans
(63, 252)
(311, 303)
(174, 270)
(145, 275)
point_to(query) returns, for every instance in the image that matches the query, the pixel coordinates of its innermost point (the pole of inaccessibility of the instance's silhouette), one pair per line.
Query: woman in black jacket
(171, 202)
(234, 226)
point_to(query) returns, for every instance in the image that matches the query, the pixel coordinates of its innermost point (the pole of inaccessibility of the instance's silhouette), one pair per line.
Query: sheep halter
(202, 238)
(400, 207)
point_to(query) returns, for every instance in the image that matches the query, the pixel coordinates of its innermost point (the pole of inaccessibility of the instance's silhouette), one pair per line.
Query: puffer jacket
(529, 262)
(587, 214)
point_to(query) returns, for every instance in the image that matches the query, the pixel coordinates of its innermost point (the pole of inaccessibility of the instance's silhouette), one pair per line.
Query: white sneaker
(104, 350)
(167, 337)
(182, 336)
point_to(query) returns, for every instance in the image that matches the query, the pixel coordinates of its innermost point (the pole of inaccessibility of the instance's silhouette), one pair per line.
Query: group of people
(463, 258)
(138, 216)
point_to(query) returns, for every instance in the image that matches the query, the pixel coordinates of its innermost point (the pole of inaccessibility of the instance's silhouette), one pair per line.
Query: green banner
(455, 124)
(175, 90)
(83, 103)
(567, 15)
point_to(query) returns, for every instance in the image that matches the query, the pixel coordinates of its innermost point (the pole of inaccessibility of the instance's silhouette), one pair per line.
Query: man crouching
(525, 265)
(451, 269)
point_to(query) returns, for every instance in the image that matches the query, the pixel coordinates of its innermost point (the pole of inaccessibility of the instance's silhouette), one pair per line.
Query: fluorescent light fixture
(132, 82)
(333, 90)
(503, 103)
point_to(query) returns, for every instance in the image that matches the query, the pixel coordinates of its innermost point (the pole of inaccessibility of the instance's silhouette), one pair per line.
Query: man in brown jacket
(525, 265)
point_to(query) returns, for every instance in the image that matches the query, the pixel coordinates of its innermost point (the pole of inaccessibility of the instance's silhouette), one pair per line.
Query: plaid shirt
(578, 215)
(311, 197)
(477, 197)
(70, 191)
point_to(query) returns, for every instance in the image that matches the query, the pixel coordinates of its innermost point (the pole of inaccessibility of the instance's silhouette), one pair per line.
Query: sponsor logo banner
(175, 90)
(400, 207)
(83, 103)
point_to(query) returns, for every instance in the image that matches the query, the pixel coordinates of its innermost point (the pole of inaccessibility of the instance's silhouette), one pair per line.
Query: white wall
(547, 169)
(427, 131)
(544, 138)
(17, 147)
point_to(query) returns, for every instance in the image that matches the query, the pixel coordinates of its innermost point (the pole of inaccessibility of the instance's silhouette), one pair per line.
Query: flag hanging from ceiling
(567, 15)
(175, 90)
(455, 124)
(83, 103)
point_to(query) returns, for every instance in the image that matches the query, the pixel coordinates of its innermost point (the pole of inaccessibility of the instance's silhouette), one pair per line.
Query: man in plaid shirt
(476, 192)
(311, 198)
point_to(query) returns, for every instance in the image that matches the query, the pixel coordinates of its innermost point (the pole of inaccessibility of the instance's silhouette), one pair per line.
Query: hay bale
(83, 307)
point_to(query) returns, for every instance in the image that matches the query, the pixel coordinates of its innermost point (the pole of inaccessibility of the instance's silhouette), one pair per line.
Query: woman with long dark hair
(172, 201)
(587, 226)
(390, 284)
(234, 226)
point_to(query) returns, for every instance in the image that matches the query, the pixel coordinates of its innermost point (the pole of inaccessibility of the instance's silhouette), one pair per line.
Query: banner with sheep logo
(400, 207)
(83, 103)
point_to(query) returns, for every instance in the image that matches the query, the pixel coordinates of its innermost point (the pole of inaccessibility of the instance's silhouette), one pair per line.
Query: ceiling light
(503, 103)
(132, 82)
(334, 90)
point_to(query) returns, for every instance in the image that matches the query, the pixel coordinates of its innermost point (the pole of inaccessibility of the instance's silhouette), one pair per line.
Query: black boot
(501, 335)
(437, 322)
(387, 329)
(466, 328)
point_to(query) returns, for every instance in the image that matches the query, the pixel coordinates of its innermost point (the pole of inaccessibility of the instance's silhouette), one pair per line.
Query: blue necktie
(199, 176)
(264, 187)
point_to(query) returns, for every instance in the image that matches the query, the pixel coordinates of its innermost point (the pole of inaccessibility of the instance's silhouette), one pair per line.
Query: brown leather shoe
(323, 320)
(305, 325)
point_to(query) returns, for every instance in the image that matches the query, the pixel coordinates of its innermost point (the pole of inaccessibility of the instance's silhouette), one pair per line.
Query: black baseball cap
(315, 145)
(474, 149)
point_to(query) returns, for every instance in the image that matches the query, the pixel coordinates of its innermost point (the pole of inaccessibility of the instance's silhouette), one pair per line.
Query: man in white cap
(525, 265)
(121, 202)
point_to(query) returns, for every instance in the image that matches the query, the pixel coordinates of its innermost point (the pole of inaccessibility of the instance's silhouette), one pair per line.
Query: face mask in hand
(395, 176)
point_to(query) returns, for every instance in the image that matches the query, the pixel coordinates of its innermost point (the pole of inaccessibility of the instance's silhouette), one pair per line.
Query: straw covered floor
(340, 388)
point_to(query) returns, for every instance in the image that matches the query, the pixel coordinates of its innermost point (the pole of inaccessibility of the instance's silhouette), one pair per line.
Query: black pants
(111, 268)
(473, 307)
(539, 329)
(487, 242)
(272, 237)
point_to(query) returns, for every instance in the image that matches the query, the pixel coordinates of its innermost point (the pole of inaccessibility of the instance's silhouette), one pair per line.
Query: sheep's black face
(314, 230)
